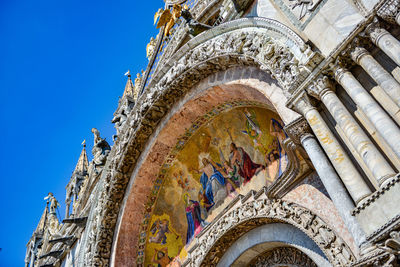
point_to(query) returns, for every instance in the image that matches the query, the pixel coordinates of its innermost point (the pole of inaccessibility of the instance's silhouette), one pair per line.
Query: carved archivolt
(212, 243)
(258, 42)
(284, 256)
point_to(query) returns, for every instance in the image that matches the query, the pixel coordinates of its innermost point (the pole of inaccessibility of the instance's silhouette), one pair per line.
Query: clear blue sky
(61, 73)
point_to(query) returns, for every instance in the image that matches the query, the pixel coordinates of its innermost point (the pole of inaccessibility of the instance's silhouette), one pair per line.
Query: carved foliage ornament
(205, 251)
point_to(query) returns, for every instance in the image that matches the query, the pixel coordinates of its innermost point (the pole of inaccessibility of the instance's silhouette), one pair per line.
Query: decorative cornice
(373, 197)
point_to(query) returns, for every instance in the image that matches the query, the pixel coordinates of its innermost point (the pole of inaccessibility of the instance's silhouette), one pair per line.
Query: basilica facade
(262, 133)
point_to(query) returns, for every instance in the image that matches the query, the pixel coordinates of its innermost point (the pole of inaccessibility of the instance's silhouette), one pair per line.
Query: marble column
(383, 78)
(300, 132)
(67, 207)
(385, 41)
(373, 159)
(378, 117)
(390, 11)
(355, 184)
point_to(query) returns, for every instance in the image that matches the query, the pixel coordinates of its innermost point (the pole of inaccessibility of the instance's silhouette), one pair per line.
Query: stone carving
(53, 203)
(375, 31)
(298, 130)
(150, 48)
(305, 6)
(255, 212)
(217, 54)
(195, 27)
(282, 256)
(389, 11)
(100, 149)
(392, 246)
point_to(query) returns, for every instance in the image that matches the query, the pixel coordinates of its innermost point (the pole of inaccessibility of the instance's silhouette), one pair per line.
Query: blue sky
(61, 73)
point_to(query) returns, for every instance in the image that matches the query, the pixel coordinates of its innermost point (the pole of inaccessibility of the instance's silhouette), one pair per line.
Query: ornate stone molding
(252, 212)
(298, 130)
(203, 55)
(390, 11)
(321, 86)
(282, 256)
(372, 198)
(357, 53)
(375, 31)
(293, 174)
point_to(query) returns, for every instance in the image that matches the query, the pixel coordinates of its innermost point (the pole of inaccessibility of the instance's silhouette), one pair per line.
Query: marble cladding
(311, 194)
(337, 18)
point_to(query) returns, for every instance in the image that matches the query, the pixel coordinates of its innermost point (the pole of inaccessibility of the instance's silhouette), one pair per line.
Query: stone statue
(53, 203)
(195, 27)
(150, 48)
(138, 81)
(100, 150)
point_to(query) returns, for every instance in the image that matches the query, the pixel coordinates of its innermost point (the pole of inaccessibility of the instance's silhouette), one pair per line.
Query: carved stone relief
(284, 256)
(220, 235)
(235, 48)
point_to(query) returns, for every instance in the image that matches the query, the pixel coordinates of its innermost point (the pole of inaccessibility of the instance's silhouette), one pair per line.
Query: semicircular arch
(265, 44)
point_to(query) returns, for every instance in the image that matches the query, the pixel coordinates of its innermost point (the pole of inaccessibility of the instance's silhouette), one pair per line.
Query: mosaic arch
(231, 150)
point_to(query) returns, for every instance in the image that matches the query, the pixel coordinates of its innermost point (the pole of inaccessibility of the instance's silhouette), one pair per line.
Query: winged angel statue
(168, 18)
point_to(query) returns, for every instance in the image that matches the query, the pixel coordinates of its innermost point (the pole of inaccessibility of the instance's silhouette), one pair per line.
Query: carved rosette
(299, 130)
(286, 256)
(252, 213)
(390, 11)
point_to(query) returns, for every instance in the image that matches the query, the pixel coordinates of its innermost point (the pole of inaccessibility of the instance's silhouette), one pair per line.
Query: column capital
(357, 52)
(390, 11)
(375, 31)
(299, 130)
(338, 69)
(300, 103)
(321, 86)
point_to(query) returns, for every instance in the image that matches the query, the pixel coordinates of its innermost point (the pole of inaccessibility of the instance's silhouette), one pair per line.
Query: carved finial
(84, 143)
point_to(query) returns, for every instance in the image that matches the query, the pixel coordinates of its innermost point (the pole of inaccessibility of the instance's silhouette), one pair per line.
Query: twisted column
(299, 131)
(349, 175)
(378, 117)
(373, 159)
(383, 78)
(384, 40)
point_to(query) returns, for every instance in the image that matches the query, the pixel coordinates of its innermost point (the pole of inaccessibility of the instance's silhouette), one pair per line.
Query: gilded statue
(168, 18)
(150, 48)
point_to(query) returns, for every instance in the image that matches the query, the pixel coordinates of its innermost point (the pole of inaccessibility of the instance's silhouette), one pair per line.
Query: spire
(83, 164)
(42, 223)
(129, 88)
